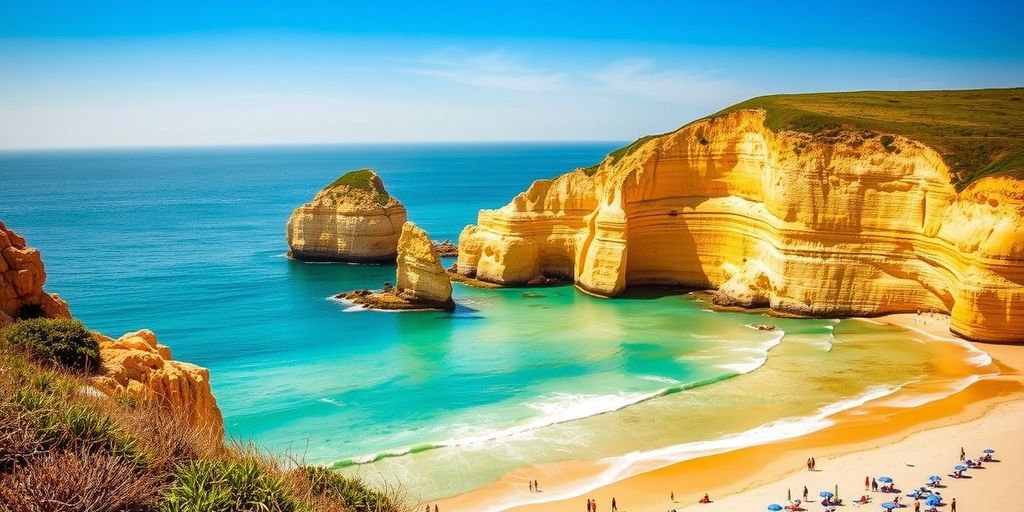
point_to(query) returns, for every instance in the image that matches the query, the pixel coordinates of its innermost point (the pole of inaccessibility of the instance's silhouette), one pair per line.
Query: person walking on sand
(963, 454)
(814, 463)
(435, 508)
(536, 486)
(867, 483)
(952, 505)
(531, 485)
(874, 485)
(917, 506)
(615, 506)
(672, 496)
(805, 493)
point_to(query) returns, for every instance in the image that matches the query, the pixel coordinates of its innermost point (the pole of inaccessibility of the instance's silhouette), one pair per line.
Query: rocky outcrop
(135, 365)
(839, 224)
(353, 219)
(21, 282)
(422, 283)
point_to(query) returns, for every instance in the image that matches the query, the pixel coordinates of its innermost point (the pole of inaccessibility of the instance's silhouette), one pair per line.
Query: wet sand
(873, 439)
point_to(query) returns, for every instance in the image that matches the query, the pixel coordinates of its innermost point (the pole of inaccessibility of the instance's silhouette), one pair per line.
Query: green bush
(62, 342)
(227, 486)
(353, 494)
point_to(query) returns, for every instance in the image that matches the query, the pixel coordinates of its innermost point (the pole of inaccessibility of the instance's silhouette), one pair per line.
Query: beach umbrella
(933, 501)
(775, 507)
(889, 505)
(826, 494)
(885, 479)
(935, 478)
(988, 450)
(960, 467)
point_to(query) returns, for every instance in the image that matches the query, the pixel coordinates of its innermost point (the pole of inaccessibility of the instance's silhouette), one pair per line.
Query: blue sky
(83, 74)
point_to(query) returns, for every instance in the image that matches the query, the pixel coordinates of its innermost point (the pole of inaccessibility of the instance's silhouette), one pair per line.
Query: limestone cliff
(420, 276)
(422, 282)
(21, 282)
(353, 219)
(136, 365)
(848, 223)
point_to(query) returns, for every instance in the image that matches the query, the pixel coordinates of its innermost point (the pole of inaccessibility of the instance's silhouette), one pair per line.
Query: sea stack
(354, 219)
(422, 282)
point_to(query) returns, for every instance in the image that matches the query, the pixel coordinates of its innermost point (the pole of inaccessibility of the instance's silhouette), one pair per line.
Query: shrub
(62, 342)
(350, 493)
(167, 437)
(887, 141)
(77, 481)
(227, 486)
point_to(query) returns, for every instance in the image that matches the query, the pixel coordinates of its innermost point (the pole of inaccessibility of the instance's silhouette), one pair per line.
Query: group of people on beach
(811, 463)
(592, 505)
(534, 486)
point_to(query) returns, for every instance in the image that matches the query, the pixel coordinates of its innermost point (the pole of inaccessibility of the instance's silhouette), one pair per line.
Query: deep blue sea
(190, 244)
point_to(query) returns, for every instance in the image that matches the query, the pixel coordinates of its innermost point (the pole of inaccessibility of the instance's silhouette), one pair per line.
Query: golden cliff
(422, 282)
(354, 219)
(420, 276)
(136, 365)
(21, 282)
(843, 224)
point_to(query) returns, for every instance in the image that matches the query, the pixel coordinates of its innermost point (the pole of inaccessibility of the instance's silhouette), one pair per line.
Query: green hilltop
(977, 132)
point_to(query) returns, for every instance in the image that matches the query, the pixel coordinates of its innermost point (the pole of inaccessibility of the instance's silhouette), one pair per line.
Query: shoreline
(742, 472)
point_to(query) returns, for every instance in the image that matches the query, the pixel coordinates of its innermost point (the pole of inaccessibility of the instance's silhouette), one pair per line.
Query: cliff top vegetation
(977, 132)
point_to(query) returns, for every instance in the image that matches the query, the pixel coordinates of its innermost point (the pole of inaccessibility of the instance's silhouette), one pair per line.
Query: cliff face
(136, 365)
(353, 219)
(844, 223)
(21, 281)
(421, 279)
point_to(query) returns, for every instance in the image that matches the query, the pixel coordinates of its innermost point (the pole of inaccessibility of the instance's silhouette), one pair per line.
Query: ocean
(189, 242)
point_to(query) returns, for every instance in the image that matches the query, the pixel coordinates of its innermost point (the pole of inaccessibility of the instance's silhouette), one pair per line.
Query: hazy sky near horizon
(118, 73)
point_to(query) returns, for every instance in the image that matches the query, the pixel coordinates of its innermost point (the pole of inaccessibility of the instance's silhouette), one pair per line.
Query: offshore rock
(354, 219)
(422, 282)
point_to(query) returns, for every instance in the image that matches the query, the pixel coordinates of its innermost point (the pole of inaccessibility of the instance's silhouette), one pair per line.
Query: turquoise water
(190, 243)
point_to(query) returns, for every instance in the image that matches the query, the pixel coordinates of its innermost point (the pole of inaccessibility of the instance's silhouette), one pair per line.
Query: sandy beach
(906, 443)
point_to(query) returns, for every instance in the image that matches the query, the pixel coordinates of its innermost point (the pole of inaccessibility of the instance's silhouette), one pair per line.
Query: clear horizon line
(36, 149)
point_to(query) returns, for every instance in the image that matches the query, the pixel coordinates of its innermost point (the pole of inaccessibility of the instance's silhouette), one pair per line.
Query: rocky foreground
(846, 223)
(133, 366)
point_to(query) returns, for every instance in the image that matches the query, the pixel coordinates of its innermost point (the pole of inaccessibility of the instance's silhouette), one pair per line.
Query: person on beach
(672, 496)
(435, 508)
(867, 483)
(705, 499)
(536, 486)
(952, 505)
(874, 485)
(963, 454)
(814, 463)
(615, 506)
(805, 493)
(917, 506)
(531, 485)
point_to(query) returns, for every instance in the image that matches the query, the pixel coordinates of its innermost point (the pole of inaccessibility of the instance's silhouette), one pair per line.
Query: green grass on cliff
(977, 132)
(64, 447)
(362, 179)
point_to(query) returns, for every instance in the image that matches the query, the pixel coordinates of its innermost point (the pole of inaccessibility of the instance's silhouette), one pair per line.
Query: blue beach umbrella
(988, 450)
(960, 467)
(889, 505)
(885, 479)
(933, 501)
(775, 507)
(935, 478)
(826, 494)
